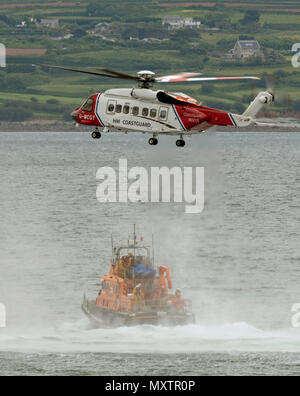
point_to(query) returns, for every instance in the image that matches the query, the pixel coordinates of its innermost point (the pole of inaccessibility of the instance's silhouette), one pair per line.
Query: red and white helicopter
(142, 109)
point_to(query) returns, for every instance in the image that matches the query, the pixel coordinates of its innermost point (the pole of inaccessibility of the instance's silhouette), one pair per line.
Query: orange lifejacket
(179, 304)
(125, 263)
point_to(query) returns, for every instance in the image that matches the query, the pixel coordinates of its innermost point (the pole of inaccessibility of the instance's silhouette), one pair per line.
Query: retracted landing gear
(153, 141)
(180, 142)
(96, 134)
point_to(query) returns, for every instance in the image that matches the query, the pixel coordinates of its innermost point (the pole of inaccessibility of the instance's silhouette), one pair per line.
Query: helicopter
(158, 112)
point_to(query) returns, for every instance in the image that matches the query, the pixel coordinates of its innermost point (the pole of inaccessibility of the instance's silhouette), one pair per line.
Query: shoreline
(65, 126)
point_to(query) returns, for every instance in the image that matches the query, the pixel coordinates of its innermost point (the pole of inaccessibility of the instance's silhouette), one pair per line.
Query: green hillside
(133, 38)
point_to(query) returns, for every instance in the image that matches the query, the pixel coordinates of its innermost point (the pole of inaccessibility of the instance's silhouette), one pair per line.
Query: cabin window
(126, 109)
(135, 111)
(153, 113)
(145, 112)
(111, 107)
(119, 108)
(88, 105)
(163, 114)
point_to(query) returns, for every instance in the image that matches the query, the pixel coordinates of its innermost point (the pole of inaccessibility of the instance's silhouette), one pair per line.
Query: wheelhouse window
(135, 111)
(153, 113)
(88, 105)
(119, 108)
(145, 112)
(126, 109)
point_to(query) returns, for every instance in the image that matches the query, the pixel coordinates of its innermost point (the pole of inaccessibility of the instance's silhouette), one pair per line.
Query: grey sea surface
(238, 261)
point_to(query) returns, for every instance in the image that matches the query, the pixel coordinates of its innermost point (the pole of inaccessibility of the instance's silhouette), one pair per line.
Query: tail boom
(221, 118)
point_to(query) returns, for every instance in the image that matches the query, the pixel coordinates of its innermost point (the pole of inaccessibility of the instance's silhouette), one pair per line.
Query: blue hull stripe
(232, 119)
(178, 118)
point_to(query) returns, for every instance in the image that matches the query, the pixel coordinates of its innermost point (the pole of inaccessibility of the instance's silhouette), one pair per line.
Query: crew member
(125, 265)
(138, 297)
(178, 301)
(163, 298)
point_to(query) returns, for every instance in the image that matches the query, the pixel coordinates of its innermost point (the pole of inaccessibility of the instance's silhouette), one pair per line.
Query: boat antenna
(153, 258)
(134, 241)
(112, 244)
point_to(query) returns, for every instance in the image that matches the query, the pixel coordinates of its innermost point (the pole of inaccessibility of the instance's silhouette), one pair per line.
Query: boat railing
(188, 305)
(156, 304)
(91, 290)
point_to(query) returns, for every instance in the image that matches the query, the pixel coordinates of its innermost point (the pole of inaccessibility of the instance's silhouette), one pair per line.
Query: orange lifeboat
(136, 292)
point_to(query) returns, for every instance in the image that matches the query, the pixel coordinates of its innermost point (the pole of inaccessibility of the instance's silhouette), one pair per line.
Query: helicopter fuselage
(140, 110)
(159, 112)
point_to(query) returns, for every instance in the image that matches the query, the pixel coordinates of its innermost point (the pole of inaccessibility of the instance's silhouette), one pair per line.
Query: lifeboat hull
(100, 317)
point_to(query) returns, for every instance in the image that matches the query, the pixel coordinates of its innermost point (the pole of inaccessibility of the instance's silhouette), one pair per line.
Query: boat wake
(79, 337)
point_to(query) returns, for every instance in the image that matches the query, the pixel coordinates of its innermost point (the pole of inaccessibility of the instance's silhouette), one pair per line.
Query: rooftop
(172, 18)
(249, 44)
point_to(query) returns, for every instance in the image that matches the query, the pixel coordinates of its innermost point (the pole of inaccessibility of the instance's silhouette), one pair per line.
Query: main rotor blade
(176, 77)
(203, 79)
(118, 74)
(82, 71)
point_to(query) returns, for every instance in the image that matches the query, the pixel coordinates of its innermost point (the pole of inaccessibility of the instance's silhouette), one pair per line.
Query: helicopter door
(163, 113)
(163, 116)
(111, 107)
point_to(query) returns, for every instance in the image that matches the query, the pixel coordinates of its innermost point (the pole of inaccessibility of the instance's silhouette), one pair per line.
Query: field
(43, 4)
(25, 51)
(204, 51)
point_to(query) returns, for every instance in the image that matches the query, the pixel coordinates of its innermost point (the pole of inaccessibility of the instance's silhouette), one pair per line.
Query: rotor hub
(146, 75)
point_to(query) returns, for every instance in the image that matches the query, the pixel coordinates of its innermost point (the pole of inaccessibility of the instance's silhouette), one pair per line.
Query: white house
(21, 25)
(49, 23)
(244, 49)
(177, 22)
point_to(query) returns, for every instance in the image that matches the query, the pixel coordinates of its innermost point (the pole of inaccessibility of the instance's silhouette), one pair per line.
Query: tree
(52, 102)
(246, 37)
(251, 16)
(79, 32)
(15, 113)
(217, 19)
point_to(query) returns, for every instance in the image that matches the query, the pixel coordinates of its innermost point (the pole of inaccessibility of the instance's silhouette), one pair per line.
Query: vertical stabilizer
(259, 102)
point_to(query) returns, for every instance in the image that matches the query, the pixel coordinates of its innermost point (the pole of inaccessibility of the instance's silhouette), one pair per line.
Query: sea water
(238, 261)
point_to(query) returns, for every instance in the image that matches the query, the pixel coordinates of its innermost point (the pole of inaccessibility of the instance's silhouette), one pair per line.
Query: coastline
(68, 126)
(41, 126)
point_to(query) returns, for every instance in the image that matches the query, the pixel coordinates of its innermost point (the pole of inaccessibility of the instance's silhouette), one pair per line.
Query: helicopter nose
(74, 115)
